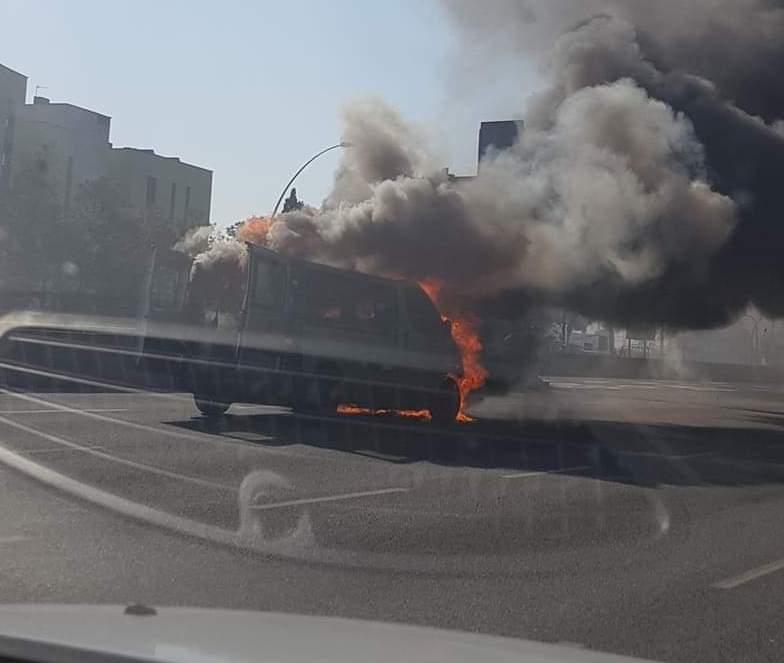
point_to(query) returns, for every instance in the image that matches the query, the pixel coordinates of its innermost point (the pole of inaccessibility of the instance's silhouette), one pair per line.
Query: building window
(152, 191)
(187, 202)
(172, 200)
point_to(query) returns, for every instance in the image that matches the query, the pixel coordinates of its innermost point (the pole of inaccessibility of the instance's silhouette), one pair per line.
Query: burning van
(311, 337)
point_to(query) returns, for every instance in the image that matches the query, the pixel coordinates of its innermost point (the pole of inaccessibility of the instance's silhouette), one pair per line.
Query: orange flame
(422, 415)
(466, 335)
(255, 230)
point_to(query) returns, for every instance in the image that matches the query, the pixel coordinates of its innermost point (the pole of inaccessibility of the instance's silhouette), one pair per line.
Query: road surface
(636, 517)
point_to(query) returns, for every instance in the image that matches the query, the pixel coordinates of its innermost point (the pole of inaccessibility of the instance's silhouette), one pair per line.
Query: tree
(115, 242)
(292, 203)
(31, 230)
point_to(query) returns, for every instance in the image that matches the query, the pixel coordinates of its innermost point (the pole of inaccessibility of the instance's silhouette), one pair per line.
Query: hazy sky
(252, 89)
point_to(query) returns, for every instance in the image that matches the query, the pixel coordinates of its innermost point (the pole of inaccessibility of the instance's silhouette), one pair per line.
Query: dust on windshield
(446, 314)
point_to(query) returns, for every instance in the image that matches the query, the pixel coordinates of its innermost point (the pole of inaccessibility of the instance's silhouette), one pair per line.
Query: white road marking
(615, 386)
(115, 502)
(748, 576)
(51, 409)
(654, 454)
(152, 469)
(100, 417)
(462, 431)
(168, 432)
(298, 546)
(525, 475)
(328, 498)
(14, 538)
(52, 450)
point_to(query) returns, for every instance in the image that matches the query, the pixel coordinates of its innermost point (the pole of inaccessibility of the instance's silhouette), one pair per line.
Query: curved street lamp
(301, 168)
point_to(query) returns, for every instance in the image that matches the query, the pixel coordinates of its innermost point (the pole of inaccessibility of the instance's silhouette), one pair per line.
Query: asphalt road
(642, 518)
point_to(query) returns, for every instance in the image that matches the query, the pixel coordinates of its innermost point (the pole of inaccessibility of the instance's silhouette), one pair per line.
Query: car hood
(53, 632)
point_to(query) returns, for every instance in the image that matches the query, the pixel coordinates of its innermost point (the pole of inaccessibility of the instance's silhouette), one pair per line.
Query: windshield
(445, 313)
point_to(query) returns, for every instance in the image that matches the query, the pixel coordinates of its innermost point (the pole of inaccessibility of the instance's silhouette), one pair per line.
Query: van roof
(328, 268)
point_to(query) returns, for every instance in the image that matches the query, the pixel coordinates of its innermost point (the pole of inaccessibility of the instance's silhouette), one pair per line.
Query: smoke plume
(643, 190)
(714, 63)
(195, 241)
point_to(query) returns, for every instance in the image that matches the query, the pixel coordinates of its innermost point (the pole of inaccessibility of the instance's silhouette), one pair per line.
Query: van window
(346, 300)
(422, 315)
(374, 307)
(267, 284)
(319, 296)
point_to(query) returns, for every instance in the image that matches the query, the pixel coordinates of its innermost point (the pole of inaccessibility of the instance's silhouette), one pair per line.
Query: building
(498, 135)
(164, 186)
(13, 88)
(66, 143)
(71, 146)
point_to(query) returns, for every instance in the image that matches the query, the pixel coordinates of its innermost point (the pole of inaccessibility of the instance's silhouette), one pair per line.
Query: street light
(301, 168)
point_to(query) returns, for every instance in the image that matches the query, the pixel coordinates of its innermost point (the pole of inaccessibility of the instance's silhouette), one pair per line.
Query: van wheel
(445, 405)
(210, 408)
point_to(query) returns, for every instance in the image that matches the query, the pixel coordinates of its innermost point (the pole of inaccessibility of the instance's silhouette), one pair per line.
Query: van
(312, 337)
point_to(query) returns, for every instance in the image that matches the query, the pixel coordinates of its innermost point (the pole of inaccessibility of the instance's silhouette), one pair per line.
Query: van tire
(445, 405)
(210, 408)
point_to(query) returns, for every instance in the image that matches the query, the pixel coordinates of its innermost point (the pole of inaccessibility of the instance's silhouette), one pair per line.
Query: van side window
(422, 314)
(318, 296)
(375, 309)
(267, 285)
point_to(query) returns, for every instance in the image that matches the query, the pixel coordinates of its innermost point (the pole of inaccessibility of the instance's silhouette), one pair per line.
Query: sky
(251, 89)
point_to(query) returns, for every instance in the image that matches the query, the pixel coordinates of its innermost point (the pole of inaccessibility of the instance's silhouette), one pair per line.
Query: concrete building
(165, 186)
(70, 146)
(66, 143)
(13, 88)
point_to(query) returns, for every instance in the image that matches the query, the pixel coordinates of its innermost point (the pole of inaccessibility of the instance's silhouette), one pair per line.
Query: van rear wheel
(445, 404)
(209, 407)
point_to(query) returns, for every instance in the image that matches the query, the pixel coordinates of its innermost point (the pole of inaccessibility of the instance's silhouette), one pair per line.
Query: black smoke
(644, 189)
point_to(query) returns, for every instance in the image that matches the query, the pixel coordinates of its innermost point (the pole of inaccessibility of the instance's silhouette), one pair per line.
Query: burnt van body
(311, 337)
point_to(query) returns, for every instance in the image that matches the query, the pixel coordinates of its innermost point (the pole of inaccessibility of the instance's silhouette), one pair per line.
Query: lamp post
(755, 339)
(342, 144)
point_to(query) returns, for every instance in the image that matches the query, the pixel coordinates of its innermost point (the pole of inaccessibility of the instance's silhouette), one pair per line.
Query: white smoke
(195, 240)
(609, 184)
